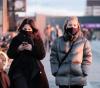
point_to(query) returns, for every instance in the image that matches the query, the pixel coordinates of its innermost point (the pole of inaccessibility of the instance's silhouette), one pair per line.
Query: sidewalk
(88, 86)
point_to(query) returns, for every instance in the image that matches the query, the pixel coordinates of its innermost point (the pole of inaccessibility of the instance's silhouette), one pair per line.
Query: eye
(24, 29)
(69, 25)
(75, 25)
(29, 29)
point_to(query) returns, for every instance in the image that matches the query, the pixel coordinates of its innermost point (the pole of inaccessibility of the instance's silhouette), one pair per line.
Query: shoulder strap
(60, 63)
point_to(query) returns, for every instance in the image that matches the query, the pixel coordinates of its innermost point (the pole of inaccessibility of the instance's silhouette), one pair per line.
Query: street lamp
(15, 6)
(19, 5)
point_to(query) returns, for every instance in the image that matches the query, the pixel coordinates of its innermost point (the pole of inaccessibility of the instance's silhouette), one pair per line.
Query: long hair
(31, 22)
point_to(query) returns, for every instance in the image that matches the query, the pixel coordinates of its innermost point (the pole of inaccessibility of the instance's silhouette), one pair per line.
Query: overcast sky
(56, 7)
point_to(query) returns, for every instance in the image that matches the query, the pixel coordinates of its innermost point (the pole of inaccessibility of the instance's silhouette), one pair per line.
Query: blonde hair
(72, 18)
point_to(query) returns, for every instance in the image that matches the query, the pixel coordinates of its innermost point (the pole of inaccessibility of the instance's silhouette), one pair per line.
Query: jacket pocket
(76, 70)
(63, 70)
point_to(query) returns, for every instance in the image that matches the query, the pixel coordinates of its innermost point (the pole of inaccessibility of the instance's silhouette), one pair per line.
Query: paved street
(94, 73)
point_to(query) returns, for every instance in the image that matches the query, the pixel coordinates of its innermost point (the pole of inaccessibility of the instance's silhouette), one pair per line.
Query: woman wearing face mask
(25, 49)
(71, 56)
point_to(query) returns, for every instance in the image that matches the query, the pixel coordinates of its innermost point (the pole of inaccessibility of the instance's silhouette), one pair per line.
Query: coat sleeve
(39, 47)
(87, 58)
(12, 50)
(54, 59)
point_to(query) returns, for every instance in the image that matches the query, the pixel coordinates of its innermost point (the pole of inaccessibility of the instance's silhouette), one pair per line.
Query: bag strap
(63, 59)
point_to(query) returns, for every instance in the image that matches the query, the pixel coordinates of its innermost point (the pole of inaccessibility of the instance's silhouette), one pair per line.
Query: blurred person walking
(26, 49)
(87, 33)
(4, 79)
(59, 31)
(47, 33)
(71, 56)
(53, 36)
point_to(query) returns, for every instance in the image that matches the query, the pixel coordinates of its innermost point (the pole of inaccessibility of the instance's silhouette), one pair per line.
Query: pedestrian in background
(27, 49)
(59, 31)
(47, 33)
(71, 56)
(4, 79)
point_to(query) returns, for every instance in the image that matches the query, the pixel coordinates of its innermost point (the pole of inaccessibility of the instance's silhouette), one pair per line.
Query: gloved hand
(21, 47)
(28, 47)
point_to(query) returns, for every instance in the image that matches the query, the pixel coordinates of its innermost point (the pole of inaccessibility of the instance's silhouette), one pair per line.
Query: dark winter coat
(24, 62)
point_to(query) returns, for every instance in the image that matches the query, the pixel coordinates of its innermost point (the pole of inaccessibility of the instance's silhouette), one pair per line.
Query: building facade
(1, 14)
(93, 8)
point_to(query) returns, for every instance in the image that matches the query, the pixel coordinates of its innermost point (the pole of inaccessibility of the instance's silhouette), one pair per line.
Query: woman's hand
(21, 47)
(28, 47)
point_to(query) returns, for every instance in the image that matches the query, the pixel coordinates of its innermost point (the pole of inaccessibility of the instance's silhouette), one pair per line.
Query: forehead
(27, 26)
